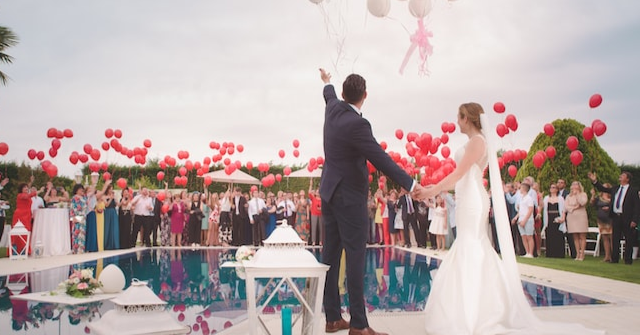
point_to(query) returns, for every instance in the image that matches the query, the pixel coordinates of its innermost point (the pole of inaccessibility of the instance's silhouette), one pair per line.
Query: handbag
(563, 228)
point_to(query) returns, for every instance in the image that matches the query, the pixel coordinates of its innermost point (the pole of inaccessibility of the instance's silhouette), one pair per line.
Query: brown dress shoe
(334, 326)
(366, 331)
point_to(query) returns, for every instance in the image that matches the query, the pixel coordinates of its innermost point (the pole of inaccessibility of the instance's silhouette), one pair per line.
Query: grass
(3, 252)
(593, 266)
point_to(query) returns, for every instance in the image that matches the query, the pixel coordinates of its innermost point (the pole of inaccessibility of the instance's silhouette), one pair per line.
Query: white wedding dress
(475, 291)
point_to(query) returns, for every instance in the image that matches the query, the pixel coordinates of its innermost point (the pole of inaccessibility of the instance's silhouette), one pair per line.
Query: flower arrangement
(244, 253)
(81, 283)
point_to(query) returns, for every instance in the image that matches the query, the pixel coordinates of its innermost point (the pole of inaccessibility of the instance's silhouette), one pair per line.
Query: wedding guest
(206, 212)
(271, 209)
(537, 221)
(95, 242)
(289, 208)
(302, 216)
(124, 219)
(78, 213)
(450, 205)
(177, 220)
(378, 233)
(111, 222)
(36, 202)
(53, 196)
(577, 220)
(553, 219)
(142, 205)
(213, 237)
(156, 219)
(438, 225)
(91, 234)
(258, 223)
(524, 218)
(511, 196)
(386, 236)
(316, 215)
(563, 192)
(395, 233)
(165, 221)
(4, 205)
(99, 209)
(422, 219)
(407, 207)
(238, 215)
(23, 212)
(226, 227)
(602, 205)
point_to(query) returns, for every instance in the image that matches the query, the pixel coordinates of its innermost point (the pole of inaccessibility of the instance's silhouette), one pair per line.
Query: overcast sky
(184, 73)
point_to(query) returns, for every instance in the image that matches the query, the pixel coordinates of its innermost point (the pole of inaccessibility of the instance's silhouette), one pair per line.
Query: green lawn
(593, 266)
(3, 252)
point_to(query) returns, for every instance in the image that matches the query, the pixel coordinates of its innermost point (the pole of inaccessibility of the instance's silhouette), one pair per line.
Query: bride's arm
(474, 151)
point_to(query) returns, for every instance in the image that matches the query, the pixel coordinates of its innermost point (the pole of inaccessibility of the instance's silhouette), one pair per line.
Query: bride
(476, 291)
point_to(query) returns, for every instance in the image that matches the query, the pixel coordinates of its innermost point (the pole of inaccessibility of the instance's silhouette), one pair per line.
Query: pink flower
(83, 286)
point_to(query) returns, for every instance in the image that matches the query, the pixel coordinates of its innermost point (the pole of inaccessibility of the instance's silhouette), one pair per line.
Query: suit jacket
(348, 144)
(244, 214)
(630, 205)
(402, 203)
(157, 208)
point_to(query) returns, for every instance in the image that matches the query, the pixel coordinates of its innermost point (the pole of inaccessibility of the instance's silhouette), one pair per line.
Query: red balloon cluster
(180, 180)
(183, 154)
(510, 124)
(59, 134)
(539, 158)
(599, 127)
(448, 127)
(268, 180)
(263, 167)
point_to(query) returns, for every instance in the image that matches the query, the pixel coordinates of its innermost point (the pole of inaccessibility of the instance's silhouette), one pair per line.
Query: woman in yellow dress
(100, 205)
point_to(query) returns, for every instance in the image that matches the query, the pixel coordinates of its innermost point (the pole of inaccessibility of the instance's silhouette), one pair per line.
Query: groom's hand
(325, 76)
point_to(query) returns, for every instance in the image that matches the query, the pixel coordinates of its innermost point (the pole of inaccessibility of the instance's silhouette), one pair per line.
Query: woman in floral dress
(78, 213)
(302, 216)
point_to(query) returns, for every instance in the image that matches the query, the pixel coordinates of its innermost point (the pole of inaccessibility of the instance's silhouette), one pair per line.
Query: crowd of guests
(99, 221)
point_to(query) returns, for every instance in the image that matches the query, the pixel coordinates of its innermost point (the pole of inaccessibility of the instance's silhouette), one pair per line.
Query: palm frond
(4, 78)
(4, 58)
(7, 38)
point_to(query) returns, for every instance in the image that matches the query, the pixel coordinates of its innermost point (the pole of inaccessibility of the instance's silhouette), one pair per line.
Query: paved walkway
(621, 316)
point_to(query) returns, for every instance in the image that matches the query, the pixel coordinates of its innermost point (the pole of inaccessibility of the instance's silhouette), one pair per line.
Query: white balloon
(379, 8)
(316, 1)
(420, 8)
(112, 279)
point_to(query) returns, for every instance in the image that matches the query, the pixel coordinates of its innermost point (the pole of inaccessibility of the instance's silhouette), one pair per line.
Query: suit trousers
(623, 229)
(345, 227)
(258, 228)
(237, 228)
(411, 222)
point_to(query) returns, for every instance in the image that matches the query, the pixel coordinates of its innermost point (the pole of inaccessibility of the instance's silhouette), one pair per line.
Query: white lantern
(112, 279)
(379, 8)
(420, 8)
(19, 233)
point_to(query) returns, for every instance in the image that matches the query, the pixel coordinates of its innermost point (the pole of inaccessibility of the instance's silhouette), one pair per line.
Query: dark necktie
(618, 198)
(410, 205)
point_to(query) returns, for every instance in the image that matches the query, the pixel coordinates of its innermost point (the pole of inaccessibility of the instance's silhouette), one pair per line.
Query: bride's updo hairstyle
(472, 111)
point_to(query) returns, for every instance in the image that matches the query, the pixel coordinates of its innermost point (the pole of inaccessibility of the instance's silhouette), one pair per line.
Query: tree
(7, 40)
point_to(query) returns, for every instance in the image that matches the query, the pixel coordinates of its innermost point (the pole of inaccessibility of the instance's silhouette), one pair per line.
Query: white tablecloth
(51, 228)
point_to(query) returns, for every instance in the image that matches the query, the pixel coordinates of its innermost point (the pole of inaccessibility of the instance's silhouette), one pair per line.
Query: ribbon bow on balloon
(419, 39)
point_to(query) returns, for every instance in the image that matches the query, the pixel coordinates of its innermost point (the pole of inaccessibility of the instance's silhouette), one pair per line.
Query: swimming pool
(208, 298)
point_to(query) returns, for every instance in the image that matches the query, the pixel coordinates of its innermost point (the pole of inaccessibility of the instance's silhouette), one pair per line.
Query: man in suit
(239, 215)
(344, 186)
(157, 212)
(625, 214)
(409, 207)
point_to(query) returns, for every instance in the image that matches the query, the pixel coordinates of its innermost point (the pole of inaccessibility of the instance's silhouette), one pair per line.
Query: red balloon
(576, 157)
(95, 154)
(445, 151)
(500, 162)
(511, 122)
(59, 134)
(383, 145)
(281, 153)
(189, 165)
(320, 160)
(411, 137)
(161, 196)
(176, 180)
(165, 208)
(87, 148)
(51, 132)
(147, 143)
(501, 129)
(595, 100)
(39, 155)
(160, 176)
(108, 133)
(296, 143)
(55, 143)
(600, 128)
(240, 148)
(182, 170)
(228, 170)
(512, 171)
(207, 180)
(68, 133)
(117, 133)
(31, 153)
(572, 143)
(238, 164)
(249, 165)
(498, 107)
(230, 150)
(227, 161)
(106, 176)
(549, 130)
(538, 159)
(52, 170)
(53, 152)
(508, 156)
(452, 127)
(122, 183)
(223, 151)
(183, 180)
(105, 146)
(444, 138)
(399, 134)
(287, 171)
(587, 133)
(550, 152)
(278, 177)
(83, 158)
(296, 153)
(444, 127)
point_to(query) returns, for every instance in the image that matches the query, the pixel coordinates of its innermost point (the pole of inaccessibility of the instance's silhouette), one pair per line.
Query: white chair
(596, 243)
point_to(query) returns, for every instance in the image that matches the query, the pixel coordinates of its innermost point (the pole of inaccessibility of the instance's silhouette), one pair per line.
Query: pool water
(209, 298)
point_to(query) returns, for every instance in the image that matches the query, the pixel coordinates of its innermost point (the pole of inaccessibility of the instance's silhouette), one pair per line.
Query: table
(51, 228)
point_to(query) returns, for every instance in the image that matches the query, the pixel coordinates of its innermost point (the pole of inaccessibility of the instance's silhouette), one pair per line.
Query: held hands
(421, 193)
(325, 76)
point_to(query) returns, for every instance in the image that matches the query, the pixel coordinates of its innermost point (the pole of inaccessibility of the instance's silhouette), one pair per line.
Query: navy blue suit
(344, 186)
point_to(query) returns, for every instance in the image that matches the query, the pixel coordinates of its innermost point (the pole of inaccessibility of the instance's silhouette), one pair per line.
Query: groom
(348, 144)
